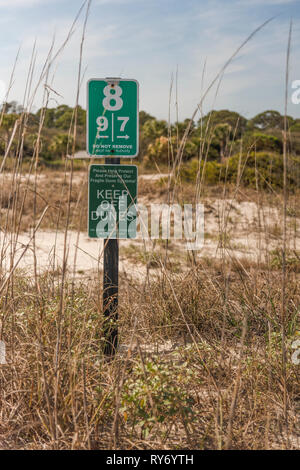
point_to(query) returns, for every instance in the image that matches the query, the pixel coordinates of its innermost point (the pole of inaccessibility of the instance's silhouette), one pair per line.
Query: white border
(137, 187)
(111, 79)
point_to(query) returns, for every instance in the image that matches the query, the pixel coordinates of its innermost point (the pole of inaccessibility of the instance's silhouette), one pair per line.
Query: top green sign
(112, 117)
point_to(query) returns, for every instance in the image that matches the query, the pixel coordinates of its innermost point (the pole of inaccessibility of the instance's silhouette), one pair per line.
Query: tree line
(216, 136)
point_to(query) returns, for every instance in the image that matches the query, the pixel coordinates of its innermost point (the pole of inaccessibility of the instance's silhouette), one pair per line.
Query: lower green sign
(112, 201)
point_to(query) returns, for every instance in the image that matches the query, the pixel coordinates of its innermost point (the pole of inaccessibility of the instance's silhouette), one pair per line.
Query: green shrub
(296, 126)
(157, 393)
(263, 168)
(163, 148)
(259, 142)
(212, 171)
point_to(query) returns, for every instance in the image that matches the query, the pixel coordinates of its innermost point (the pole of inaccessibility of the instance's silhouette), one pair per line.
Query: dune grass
(205, 353)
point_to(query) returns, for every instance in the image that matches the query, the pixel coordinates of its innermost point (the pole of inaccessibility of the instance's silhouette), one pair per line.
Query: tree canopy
(215, 137)
(268, 120)
(235, 120)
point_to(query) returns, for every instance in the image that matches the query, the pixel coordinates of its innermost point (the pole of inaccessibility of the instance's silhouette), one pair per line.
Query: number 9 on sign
(102, 123)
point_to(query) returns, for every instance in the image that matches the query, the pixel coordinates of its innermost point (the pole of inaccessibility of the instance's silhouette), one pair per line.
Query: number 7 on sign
(125, 120)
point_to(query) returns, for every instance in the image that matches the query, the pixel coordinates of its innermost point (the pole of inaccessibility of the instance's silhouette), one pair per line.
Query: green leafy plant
(156, 393)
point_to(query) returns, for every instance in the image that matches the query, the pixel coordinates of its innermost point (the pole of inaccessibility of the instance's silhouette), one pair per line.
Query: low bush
(262, 168)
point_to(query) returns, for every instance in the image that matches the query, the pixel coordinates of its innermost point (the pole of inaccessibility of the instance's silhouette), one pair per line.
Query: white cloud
(148, 45)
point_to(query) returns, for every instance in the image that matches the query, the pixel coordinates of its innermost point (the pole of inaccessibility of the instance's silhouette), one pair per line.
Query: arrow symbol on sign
(101, 136)
(123, 137)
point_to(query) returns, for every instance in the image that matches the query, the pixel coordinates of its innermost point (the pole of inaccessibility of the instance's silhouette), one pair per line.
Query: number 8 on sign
(112, 97)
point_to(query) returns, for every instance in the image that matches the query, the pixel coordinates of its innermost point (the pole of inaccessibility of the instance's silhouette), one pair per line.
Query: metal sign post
(111, 216)
(111, 288)
(112, 132)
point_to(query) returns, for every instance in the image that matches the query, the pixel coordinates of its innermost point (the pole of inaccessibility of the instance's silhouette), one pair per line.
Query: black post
(110, 287)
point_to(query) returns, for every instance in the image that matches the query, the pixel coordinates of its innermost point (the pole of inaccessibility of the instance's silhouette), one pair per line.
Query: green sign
(112, 117)
(112, 201)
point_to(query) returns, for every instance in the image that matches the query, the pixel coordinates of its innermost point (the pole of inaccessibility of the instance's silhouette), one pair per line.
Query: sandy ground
(250, 232)
(155, 177)
(239, 221)
(86, 253)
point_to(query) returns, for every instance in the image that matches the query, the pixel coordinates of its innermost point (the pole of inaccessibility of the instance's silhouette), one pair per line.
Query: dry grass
(190, 346)
(205, 345)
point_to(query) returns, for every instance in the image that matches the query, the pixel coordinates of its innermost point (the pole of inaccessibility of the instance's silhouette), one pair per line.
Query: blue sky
(149, 40)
